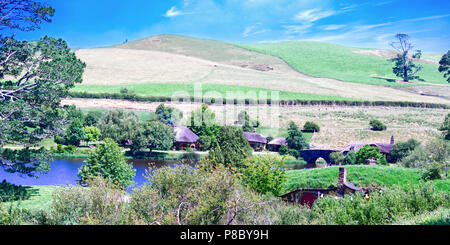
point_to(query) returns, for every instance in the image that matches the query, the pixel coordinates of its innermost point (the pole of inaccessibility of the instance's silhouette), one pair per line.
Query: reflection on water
(64, 172)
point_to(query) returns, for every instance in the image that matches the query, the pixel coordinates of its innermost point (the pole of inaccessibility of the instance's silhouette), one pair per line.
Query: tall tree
(404, 65)
(231, 148)
(203, 123)
(108, 161)
(119, 125)
(444, 65)
(34, 76)
(168, 115)
(154, 135)
(295, 138)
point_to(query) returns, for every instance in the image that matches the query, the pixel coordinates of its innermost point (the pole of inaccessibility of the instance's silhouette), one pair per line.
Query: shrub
(205, 142)
(264, 174)
(92, 118)
(337, 158)
(108, 161)
(403, 149)
(311, 127)
(377, 125)
(436, 150)
(350, 158)
(168, 115)
(370, 152)
(445, 127)
(293, 153)
(92, 133)
(187, 196)
(382, 208)
(283, 150)
(100, 204)
(433, 172)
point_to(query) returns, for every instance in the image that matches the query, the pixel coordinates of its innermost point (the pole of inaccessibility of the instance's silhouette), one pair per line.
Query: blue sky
(364, 23)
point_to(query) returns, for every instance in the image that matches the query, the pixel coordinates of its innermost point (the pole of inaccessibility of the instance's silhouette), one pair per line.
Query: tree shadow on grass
(391, 80)
(11, 192)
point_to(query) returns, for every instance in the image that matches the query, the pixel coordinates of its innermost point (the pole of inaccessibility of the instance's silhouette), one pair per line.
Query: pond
(64, 172)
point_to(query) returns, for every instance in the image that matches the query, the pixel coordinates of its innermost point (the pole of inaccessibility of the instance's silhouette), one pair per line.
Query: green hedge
(141, 98)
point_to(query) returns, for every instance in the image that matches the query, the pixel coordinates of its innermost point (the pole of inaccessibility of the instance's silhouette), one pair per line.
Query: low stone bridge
(311, 156)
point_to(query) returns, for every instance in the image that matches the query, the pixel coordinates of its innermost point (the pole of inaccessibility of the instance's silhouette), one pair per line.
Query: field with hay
(178, 62)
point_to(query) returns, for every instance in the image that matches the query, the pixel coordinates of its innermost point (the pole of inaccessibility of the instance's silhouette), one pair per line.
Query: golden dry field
(339, 125)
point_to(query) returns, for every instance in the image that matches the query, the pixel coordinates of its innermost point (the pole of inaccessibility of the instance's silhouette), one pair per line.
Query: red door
(308, 199)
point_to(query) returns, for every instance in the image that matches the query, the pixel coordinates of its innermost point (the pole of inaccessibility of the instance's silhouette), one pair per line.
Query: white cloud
(332, 27)
(313, 15)
(172, 12)
(297, 29)
(254, 30)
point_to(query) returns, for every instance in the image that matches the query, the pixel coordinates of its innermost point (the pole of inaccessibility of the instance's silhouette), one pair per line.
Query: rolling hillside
(177, 61)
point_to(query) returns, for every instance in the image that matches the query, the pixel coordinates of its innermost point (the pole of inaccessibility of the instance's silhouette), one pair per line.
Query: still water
(64, 172)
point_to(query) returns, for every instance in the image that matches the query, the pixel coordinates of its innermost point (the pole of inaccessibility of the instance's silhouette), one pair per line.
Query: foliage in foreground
(264, 174)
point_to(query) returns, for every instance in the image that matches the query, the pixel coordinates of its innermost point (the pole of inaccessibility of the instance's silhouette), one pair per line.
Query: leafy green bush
(337, 157)
(264, 174)
(350, 158)
(283, 150)
(74, 134)
(370, 152)
(294, 153)
(188, 196)
(433, 172)
(402, 149)
(100, 204)
(205, 142)
(311, 127)
(377, 125)
(436, 150)
(92, 133)
(382, 208)
(108, 161)
(445, 127)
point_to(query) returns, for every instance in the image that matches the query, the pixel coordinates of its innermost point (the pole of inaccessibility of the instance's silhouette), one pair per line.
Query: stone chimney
(392, 140)
(342, 176)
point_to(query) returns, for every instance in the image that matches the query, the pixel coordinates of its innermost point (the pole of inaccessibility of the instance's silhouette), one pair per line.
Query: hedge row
(142, 98)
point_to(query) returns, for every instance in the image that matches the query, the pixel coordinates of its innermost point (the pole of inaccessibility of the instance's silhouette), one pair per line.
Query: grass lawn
(360, 175)
(41, 198)
(209, 90)
(339, 62)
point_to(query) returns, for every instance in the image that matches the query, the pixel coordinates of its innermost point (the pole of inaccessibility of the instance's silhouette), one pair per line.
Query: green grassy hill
(362, 176)
(339, 62)
(160, 65)
(167, 90)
